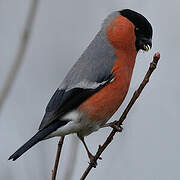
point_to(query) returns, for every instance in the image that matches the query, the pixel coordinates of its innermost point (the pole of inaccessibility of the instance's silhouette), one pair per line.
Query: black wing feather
(63, 102)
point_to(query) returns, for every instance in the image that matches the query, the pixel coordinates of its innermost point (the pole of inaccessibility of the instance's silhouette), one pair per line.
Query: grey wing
(89, 74)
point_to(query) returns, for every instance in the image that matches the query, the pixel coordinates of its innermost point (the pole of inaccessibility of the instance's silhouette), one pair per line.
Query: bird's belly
(78, 123)
(102, 105)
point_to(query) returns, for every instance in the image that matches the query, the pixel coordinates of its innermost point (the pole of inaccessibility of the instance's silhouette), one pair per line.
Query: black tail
(40, 135)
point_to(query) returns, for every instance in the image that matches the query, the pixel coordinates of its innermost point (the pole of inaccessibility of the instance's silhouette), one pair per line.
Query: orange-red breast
(97, 84)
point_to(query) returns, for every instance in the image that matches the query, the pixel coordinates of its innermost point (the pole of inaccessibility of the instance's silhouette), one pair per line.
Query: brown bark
(58, 154)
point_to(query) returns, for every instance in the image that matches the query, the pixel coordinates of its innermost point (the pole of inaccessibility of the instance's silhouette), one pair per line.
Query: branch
(20, 54)
(58, 154)
(72, 158)
(136, 94)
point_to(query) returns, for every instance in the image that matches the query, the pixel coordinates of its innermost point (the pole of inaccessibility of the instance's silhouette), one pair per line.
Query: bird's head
(130, 29)
(142, 28)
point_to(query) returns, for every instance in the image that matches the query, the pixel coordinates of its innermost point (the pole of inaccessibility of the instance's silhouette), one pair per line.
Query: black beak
(144, 44)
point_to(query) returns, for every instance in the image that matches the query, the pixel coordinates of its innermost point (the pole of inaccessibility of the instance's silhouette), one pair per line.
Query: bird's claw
(93, 162)
(115, 126)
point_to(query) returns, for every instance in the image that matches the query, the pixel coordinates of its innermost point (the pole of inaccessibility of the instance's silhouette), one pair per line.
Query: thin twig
(136, 94)
(72, 158)
(20, 54)
(58, 154)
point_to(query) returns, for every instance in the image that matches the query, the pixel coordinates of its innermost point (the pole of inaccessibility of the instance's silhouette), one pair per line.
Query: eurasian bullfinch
(98, 82)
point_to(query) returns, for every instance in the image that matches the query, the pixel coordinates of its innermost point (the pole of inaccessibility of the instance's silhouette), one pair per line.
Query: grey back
(96, 63)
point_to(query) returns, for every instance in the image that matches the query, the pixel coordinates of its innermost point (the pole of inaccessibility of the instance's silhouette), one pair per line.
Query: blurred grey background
(148, 148)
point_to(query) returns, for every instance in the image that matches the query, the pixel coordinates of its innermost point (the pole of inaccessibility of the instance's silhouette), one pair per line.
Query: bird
(97, 84)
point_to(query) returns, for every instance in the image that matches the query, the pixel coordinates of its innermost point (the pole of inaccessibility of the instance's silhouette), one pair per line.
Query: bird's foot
(93, 162)
(114, 126)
